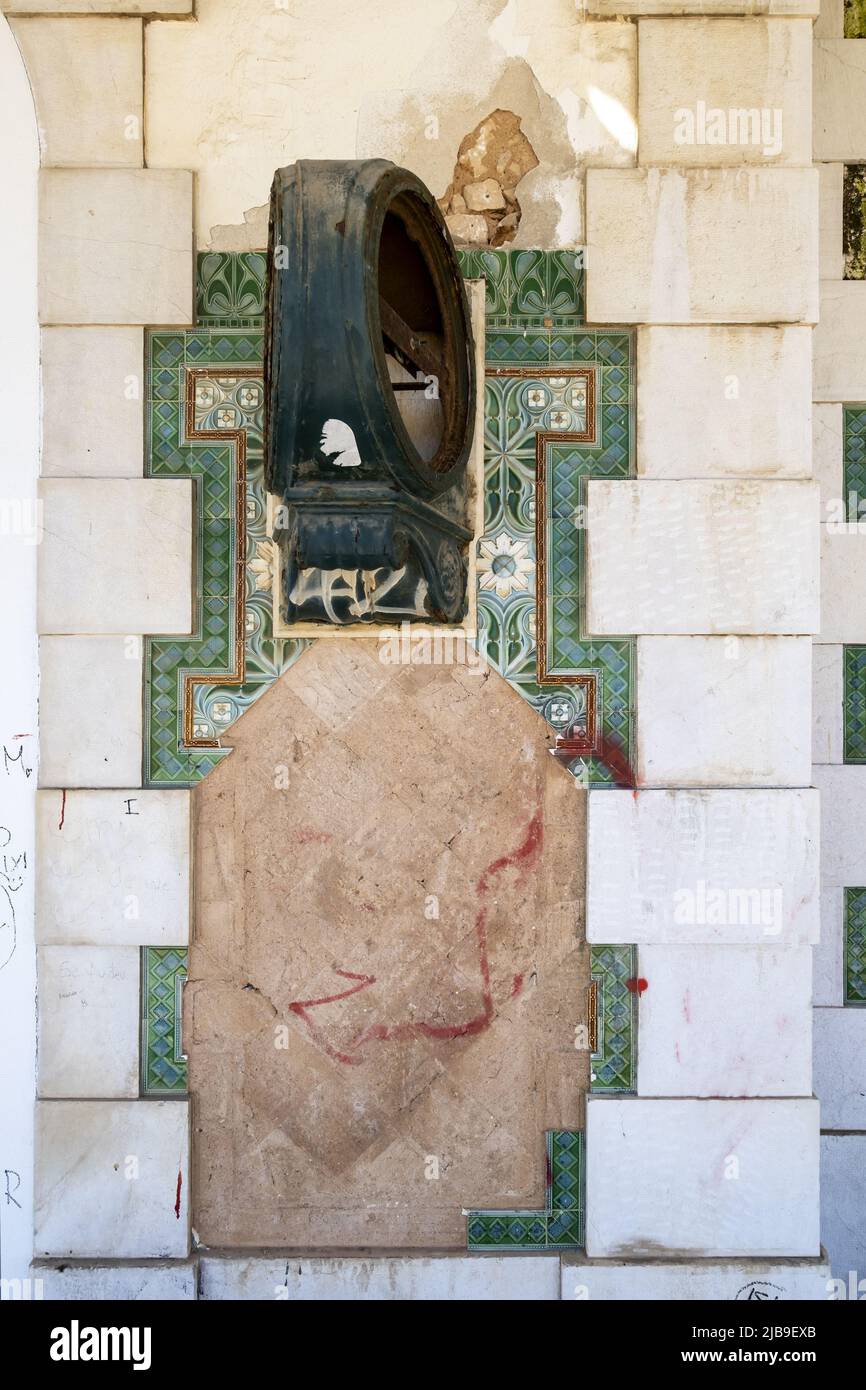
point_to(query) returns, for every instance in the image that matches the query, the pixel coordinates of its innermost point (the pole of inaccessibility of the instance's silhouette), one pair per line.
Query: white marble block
(840, 1067)
(112, 1179)
(843, 581)
(116, 1283)
(611, 8)
(717, 711)
(701, 1177)
(88, 1020)
(839, 346)
(701, 1281)
(116, 246)
(703, 867)
(90, 720)
(702, 246)
(839, 75)
(92, 403)
(827, 464)
(692, 73)
(828, 957)
(724, 402)
(701, 557)
(832, 258)
(117, 871)
(827, 703)
(843, 843)
(843, 1202)
(698, 1036)
(117, 556)
(385, 1278)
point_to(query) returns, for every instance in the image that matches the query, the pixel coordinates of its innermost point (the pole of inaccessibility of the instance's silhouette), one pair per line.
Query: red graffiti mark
(300, 1007)
(677, 1052)
(522, 859)
(22, 736)
(62, 810)
(177, 1198)
(517, 986)
(637, 984)
(687, 1012)
(308, 836)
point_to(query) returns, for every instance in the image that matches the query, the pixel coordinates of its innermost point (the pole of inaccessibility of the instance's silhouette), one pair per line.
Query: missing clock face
(371, 390)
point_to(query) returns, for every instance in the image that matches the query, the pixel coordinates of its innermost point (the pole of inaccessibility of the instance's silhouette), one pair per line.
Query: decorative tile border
(561, 1225)
(854, 461)
(855, 946)
(163, 1064)
(854, 707)
(613, 1020)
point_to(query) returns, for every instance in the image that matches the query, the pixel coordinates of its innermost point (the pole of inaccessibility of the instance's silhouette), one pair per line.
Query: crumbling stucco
(247, 88)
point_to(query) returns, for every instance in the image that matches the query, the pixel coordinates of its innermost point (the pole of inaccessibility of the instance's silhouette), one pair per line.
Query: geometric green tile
(854, 461)
(854, 706)
(855, 946)
(614, 1063)
(560, 1226)
(163, 1065)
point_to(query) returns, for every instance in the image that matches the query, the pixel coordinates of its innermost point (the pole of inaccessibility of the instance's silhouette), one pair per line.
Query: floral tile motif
(543, 289)
(614, 1012)
(231, 288)
(855, 945)
(854, 709)
(854, 461)
(163, 1064)
(560, 1226)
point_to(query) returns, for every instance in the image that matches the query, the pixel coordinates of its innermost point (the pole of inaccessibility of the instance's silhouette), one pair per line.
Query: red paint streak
(677, 1052)
(308, 836)
(523, 859)
(517, 986)
(687, 1013)
(177, 1198)
(22, 736)
(62, 810)
(637, 984)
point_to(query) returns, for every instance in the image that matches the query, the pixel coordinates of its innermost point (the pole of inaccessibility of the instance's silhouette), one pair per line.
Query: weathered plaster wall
(395, 846)
(251, 87)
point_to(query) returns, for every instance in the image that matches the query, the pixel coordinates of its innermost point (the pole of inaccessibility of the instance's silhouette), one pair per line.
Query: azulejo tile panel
(855, 946)
(163, 1065)
(560, 1226)
(558, 409)
(854, 461)
(614, 1005)
(854, 711)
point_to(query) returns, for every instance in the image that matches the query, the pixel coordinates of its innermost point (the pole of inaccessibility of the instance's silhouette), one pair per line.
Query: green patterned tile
(528, 288)
(163, 1065)
(855, 945)
(565, 1170)
(506, 1230)
(614, 1063)
(854, 461)
(231, 288)
(560, 1226)
(854, 708)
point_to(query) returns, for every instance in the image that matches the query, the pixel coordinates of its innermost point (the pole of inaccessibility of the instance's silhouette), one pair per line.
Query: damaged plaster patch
(480, 204)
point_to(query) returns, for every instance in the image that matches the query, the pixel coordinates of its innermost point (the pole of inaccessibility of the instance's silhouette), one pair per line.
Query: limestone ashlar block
(827, 464)
(843, 1202)
(839, 348)
(151, 8)
(115, 867)
(115, 246)
(716, 711)
(724, 402)
(701, 1177)
(830, 23)
(90, 717)
(87, 79)
(611, 8)
(831, 177)
(843, 582)
(702, 557)
(686, 1282)
(702, 246)
(839, 67)
(112, 1179)
(114, 1283)
(828, 696)
(697, 1037)
(445, 1278)
(828, 960)
(720, 867)
(725, 91)
(92, 402)
(116, 556)
(843, 844)
(88, 1020)
(840, 1067)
